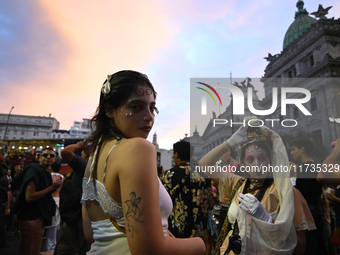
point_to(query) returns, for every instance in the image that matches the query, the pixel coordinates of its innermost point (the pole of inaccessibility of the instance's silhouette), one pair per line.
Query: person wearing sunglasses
(35, 204)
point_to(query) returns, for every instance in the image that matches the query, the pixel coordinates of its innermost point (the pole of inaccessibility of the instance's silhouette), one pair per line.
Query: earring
(128, 114)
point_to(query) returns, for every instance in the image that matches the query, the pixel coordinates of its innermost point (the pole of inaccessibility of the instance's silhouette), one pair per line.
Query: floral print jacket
(190, 197)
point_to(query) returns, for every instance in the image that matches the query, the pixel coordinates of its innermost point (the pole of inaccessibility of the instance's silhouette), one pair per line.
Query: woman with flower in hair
(125, 205)
(266, 215)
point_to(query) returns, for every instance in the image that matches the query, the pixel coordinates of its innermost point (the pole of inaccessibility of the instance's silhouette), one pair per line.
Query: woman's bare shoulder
(138, 144)
(132, 152)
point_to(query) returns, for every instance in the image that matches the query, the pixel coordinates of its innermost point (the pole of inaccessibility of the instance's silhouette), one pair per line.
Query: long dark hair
(122, 85)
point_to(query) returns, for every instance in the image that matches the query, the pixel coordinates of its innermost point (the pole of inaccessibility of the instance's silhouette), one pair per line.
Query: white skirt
(108, 239)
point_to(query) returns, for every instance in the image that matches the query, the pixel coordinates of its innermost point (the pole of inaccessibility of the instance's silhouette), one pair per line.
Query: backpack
(69, 203)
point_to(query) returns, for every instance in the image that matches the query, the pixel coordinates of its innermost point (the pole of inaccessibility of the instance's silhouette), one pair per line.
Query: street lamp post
(7, 126)
(232, 108)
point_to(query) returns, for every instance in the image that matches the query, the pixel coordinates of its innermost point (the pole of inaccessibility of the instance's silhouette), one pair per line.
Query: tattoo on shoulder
(132, 211)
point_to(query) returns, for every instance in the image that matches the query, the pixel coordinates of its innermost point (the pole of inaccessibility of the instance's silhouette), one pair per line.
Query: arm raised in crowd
(329, 175)
(216, 153)
(68, 152)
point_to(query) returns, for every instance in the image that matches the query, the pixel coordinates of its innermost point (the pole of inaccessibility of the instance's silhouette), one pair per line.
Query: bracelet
(226, 145)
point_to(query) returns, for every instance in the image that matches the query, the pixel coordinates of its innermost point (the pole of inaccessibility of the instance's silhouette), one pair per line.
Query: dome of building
(301, 23)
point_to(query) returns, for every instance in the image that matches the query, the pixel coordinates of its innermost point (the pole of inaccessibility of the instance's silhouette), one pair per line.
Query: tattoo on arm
(132, 211)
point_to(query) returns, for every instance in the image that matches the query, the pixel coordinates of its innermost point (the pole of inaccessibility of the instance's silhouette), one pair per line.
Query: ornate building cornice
(323, 28)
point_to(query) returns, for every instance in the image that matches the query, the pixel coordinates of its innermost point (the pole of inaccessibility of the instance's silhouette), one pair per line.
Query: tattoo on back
(132, 211)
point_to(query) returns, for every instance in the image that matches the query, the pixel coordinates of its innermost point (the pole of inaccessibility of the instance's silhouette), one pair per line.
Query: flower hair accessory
(106, 86)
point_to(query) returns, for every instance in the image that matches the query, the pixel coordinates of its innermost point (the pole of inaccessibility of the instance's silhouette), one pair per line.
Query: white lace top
(106, 202)
(97, 192)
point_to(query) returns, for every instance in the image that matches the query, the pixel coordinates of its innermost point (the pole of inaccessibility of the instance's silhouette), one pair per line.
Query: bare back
(111, 180)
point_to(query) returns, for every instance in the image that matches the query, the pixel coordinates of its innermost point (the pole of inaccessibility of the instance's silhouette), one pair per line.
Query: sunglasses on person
(45, 155)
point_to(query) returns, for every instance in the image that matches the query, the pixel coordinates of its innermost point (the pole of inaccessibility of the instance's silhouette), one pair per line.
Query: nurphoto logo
(238, 103)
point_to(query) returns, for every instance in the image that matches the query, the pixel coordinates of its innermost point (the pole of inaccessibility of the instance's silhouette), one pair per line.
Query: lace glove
(239, 135)
(252, 206)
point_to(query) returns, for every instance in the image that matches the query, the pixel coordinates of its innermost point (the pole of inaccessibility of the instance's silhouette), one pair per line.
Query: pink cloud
(96, 40)
(196, 11)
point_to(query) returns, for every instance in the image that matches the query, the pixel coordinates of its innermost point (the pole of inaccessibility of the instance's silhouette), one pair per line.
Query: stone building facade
(79, 130)
(310, 59)
(23, 127)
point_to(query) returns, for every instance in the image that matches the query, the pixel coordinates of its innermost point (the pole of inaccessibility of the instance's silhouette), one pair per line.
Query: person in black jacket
(35, 203)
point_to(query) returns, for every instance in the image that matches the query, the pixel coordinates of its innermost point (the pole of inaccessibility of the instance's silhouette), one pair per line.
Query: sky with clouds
(55, 55)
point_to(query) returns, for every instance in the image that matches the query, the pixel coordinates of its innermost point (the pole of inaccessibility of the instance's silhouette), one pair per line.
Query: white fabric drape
(260, 237)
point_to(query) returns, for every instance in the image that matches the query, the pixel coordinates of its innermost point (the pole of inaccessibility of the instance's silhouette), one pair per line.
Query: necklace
(254, 185)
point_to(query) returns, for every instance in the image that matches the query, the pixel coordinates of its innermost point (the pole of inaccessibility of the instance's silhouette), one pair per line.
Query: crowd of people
(116, 200)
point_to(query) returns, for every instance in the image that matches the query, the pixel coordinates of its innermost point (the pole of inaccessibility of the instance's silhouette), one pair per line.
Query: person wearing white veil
(276, 223)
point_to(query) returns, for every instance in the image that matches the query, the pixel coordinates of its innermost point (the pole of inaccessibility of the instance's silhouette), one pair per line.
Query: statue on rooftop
(321, 12)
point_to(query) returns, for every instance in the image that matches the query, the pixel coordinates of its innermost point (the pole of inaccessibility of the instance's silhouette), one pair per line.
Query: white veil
(260, 237)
